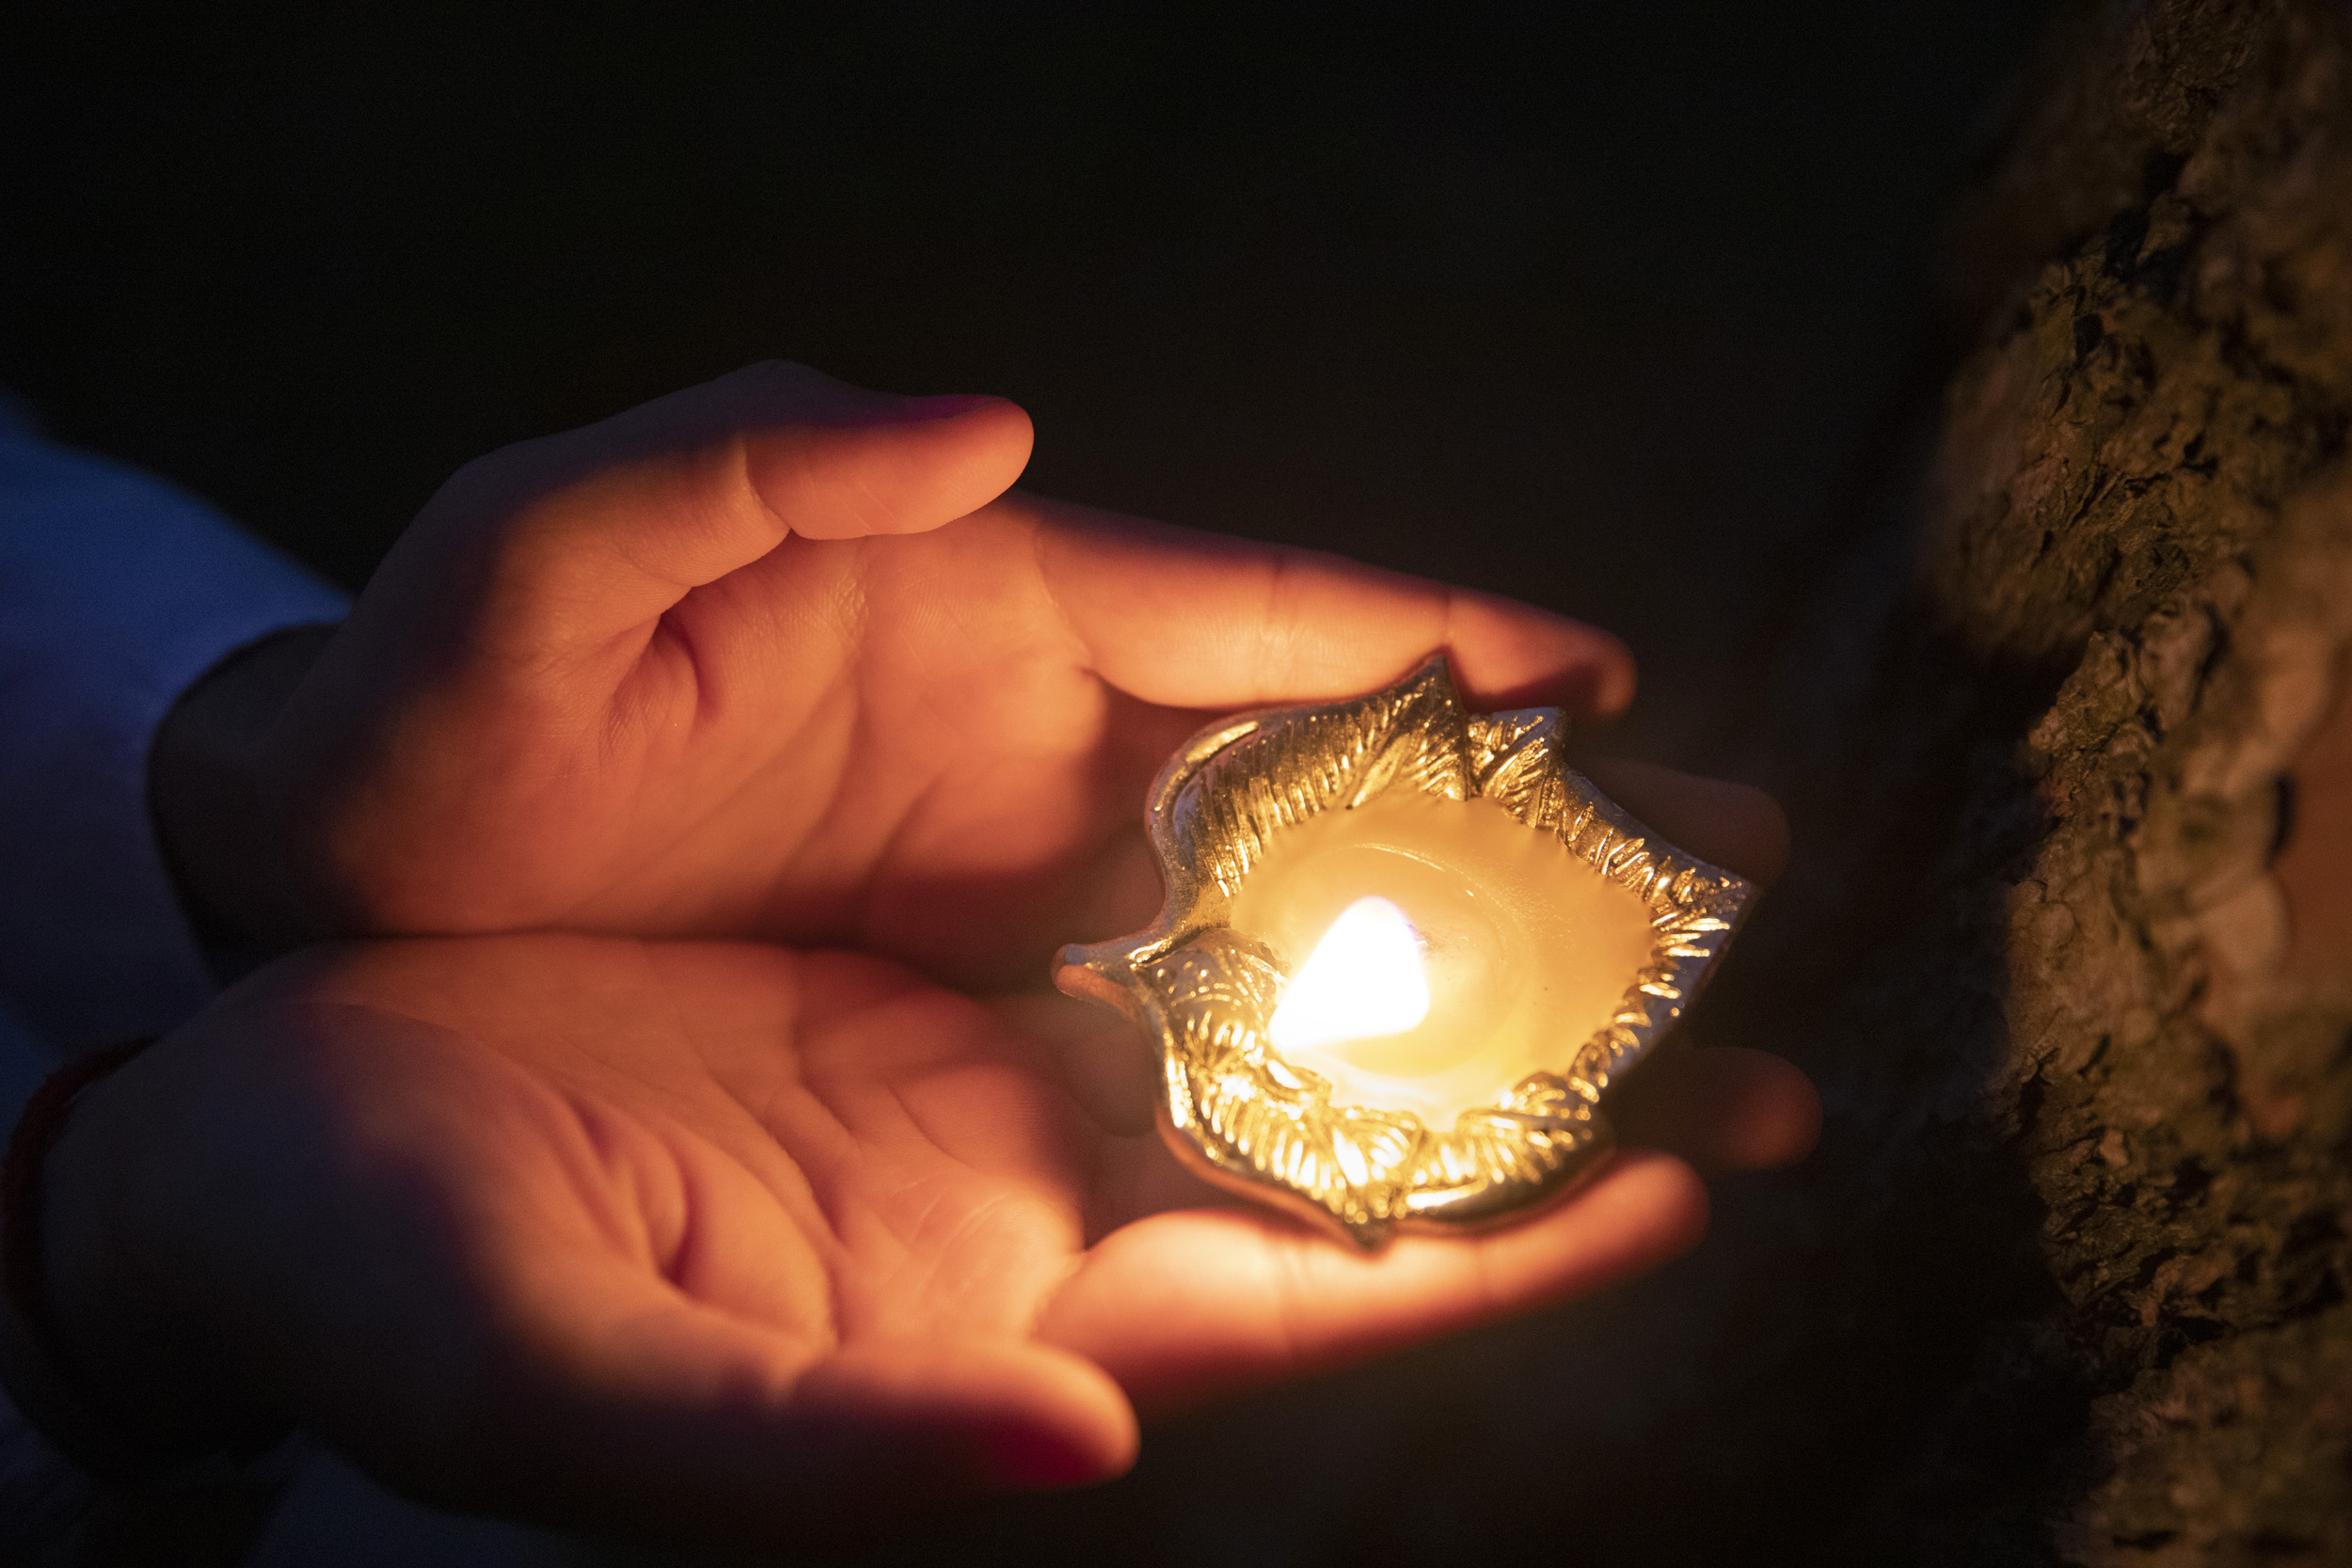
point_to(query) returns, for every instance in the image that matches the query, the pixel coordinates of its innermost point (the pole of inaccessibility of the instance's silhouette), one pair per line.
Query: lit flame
(1362, 979)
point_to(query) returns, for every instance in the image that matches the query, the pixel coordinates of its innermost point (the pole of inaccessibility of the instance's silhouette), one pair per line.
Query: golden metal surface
(1203, 992)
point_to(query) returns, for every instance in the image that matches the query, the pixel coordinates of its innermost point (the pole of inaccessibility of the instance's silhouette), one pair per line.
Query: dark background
(1585, 303)
(1592, 306)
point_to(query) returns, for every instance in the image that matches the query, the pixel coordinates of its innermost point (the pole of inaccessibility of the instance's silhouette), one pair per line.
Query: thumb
(579, 537)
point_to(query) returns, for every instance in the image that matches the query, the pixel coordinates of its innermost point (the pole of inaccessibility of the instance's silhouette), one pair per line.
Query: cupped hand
(726, 1240)
(777, 657)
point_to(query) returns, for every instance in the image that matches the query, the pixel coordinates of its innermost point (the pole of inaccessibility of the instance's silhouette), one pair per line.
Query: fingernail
(1038, 1460)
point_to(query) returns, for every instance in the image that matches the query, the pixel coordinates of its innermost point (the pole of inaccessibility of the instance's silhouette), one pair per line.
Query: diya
(1406, 953)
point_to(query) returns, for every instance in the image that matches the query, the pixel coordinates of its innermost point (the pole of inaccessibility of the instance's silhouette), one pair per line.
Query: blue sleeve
(117, 593)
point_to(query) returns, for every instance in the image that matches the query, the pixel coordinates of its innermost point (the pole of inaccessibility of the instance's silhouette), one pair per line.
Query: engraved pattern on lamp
(1236, 1109)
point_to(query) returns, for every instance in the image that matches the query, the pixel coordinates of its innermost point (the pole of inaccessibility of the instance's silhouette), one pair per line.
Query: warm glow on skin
(1362, 980)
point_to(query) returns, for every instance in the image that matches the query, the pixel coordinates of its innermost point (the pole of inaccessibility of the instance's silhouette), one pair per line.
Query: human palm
(726, 1239)
(763, 659)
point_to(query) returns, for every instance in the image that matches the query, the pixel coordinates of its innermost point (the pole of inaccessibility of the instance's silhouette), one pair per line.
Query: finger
(1723, 1108)
(1007, 1413)
(1196, 620)
(1734, 826)
(602, 529)
(1186, 1306)
(609, 1399)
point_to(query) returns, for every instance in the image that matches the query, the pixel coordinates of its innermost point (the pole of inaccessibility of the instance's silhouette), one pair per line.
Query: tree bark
(2068, 938)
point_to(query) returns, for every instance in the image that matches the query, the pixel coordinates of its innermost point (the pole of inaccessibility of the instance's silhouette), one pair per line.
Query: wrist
(135, 1388)
(39, 1375)
(205, 792)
